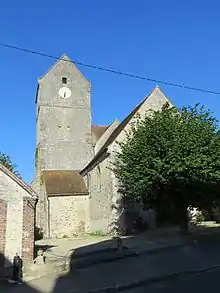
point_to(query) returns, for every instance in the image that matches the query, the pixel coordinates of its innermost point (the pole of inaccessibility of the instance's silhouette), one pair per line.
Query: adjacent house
(17, 219)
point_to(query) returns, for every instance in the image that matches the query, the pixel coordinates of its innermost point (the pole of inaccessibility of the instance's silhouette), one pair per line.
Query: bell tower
(63, 122)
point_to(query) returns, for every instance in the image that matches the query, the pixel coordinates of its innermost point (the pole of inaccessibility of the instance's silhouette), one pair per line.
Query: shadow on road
(96, 265)
(91, 268)
(6, 275)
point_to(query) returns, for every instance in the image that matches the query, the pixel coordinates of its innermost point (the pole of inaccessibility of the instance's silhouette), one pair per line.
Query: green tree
(171, 155)
(7, 162)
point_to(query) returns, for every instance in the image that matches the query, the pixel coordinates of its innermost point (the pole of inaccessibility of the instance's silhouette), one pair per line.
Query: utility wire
(113, 71)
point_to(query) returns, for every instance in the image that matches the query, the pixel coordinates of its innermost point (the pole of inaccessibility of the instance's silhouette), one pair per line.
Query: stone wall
(3, 215)
(28, 231)
(68, 215)
(13, 194)
(155, 101)
(64, 125)
(100, 205)
(64, 137)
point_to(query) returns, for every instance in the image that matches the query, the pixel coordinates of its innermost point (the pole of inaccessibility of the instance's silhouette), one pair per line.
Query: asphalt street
(205, 253)
(200, 283)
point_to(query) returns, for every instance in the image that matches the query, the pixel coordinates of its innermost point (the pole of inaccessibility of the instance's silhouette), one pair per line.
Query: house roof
(62, 182)
(20, 182)
(98, 131)
(118, 130)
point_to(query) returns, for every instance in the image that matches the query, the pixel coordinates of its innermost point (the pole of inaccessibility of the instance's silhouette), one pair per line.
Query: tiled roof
(98, 131)
(61, 182)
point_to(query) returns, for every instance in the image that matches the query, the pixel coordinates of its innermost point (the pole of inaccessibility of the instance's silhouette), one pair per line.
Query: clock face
(64, 93)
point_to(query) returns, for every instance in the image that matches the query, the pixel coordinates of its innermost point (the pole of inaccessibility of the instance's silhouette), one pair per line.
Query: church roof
(98, 131)
(62, 182)
(20, 182)
(118, 129)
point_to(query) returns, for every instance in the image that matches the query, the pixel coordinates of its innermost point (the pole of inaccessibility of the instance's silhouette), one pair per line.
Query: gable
(155, 101)
(65, 61)
(14, 186)
(63, 67)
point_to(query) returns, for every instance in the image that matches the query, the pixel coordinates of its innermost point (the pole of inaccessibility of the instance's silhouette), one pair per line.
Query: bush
(200, 217)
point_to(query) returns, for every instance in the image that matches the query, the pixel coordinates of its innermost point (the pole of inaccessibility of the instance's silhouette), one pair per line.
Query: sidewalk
(68, 254)
(129, 273)
(150, 241)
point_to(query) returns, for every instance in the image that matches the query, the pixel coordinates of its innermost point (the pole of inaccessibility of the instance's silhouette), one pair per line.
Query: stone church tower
(63, 123)
(77, 189)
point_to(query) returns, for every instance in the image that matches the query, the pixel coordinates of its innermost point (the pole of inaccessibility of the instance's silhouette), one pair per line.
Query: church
(76, 188)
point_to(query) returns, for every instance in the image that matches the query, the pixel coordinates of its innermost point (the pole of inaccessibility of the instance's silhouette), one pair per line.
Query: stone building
(17, 216)
(77, 190)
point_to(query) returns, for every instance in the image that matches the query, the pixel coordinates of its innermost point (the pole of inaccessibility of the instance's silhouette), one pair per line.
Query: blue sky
(176, 41)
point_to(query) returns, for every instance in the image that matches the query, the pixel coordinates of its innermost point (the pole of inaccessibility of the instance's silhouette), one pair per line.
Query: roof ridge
(120, 127)
(19, 181)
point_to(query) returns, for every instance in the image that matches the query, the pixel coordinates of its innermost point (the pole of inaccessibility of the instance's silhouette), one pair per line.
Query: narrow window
(64, 80)
(88, 177)
(99, 179)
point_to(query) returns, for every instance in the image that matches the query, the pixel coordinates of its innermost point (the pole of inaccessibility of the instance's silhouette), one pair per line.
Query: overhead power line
(113, 71)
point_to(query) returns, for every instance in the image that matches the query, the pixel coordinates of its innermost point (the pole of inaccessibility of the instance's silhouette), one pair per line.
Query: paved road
(201, 283)
(206, 253)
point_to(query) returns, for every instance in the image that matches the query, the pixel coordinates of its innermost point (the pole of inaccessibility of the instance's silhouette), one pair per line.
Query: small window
(64, 80)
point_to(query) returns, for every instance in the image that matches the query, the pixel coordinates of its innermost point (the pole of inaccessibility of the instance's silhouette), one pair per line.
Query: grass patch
(97, 233)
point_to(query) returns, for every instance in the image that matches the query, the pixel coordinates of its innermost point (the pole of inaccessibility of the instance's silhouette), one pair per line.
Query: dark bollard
(17, 269)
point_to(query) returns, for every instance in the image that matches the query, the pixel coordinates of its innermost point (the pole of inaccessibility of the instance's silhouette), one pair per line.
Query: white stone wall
(63, 130)
(13, 194)
(104, 187)
(68, 215)
(100, 209)
(155, 101)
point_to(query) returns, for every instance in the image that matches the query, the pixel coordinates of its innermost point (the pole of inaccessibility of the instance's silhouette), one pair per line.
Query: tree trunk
(184, 222)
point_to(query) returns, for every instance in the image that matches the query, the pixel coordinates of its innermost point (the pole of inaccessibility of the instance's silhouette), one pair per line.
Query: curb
(108, 258)
(123, 287)
(130, 253)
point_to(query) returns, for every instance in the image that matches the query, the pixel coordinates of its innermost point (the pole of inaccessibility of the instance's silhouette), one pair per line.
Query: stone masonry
(64, 140)
(28, 230)
(87, 200)
(3, 218)
(17, 213)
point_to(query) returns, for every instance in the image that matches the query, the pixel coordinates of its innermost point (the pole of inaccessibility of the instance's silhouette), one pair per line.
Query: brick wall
(3, 217)
(28, 231)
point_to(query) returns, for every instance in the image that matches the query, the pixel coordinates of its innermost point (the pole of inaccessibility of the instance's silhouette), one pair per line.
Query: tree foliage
(7, 162)
(171, 155)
